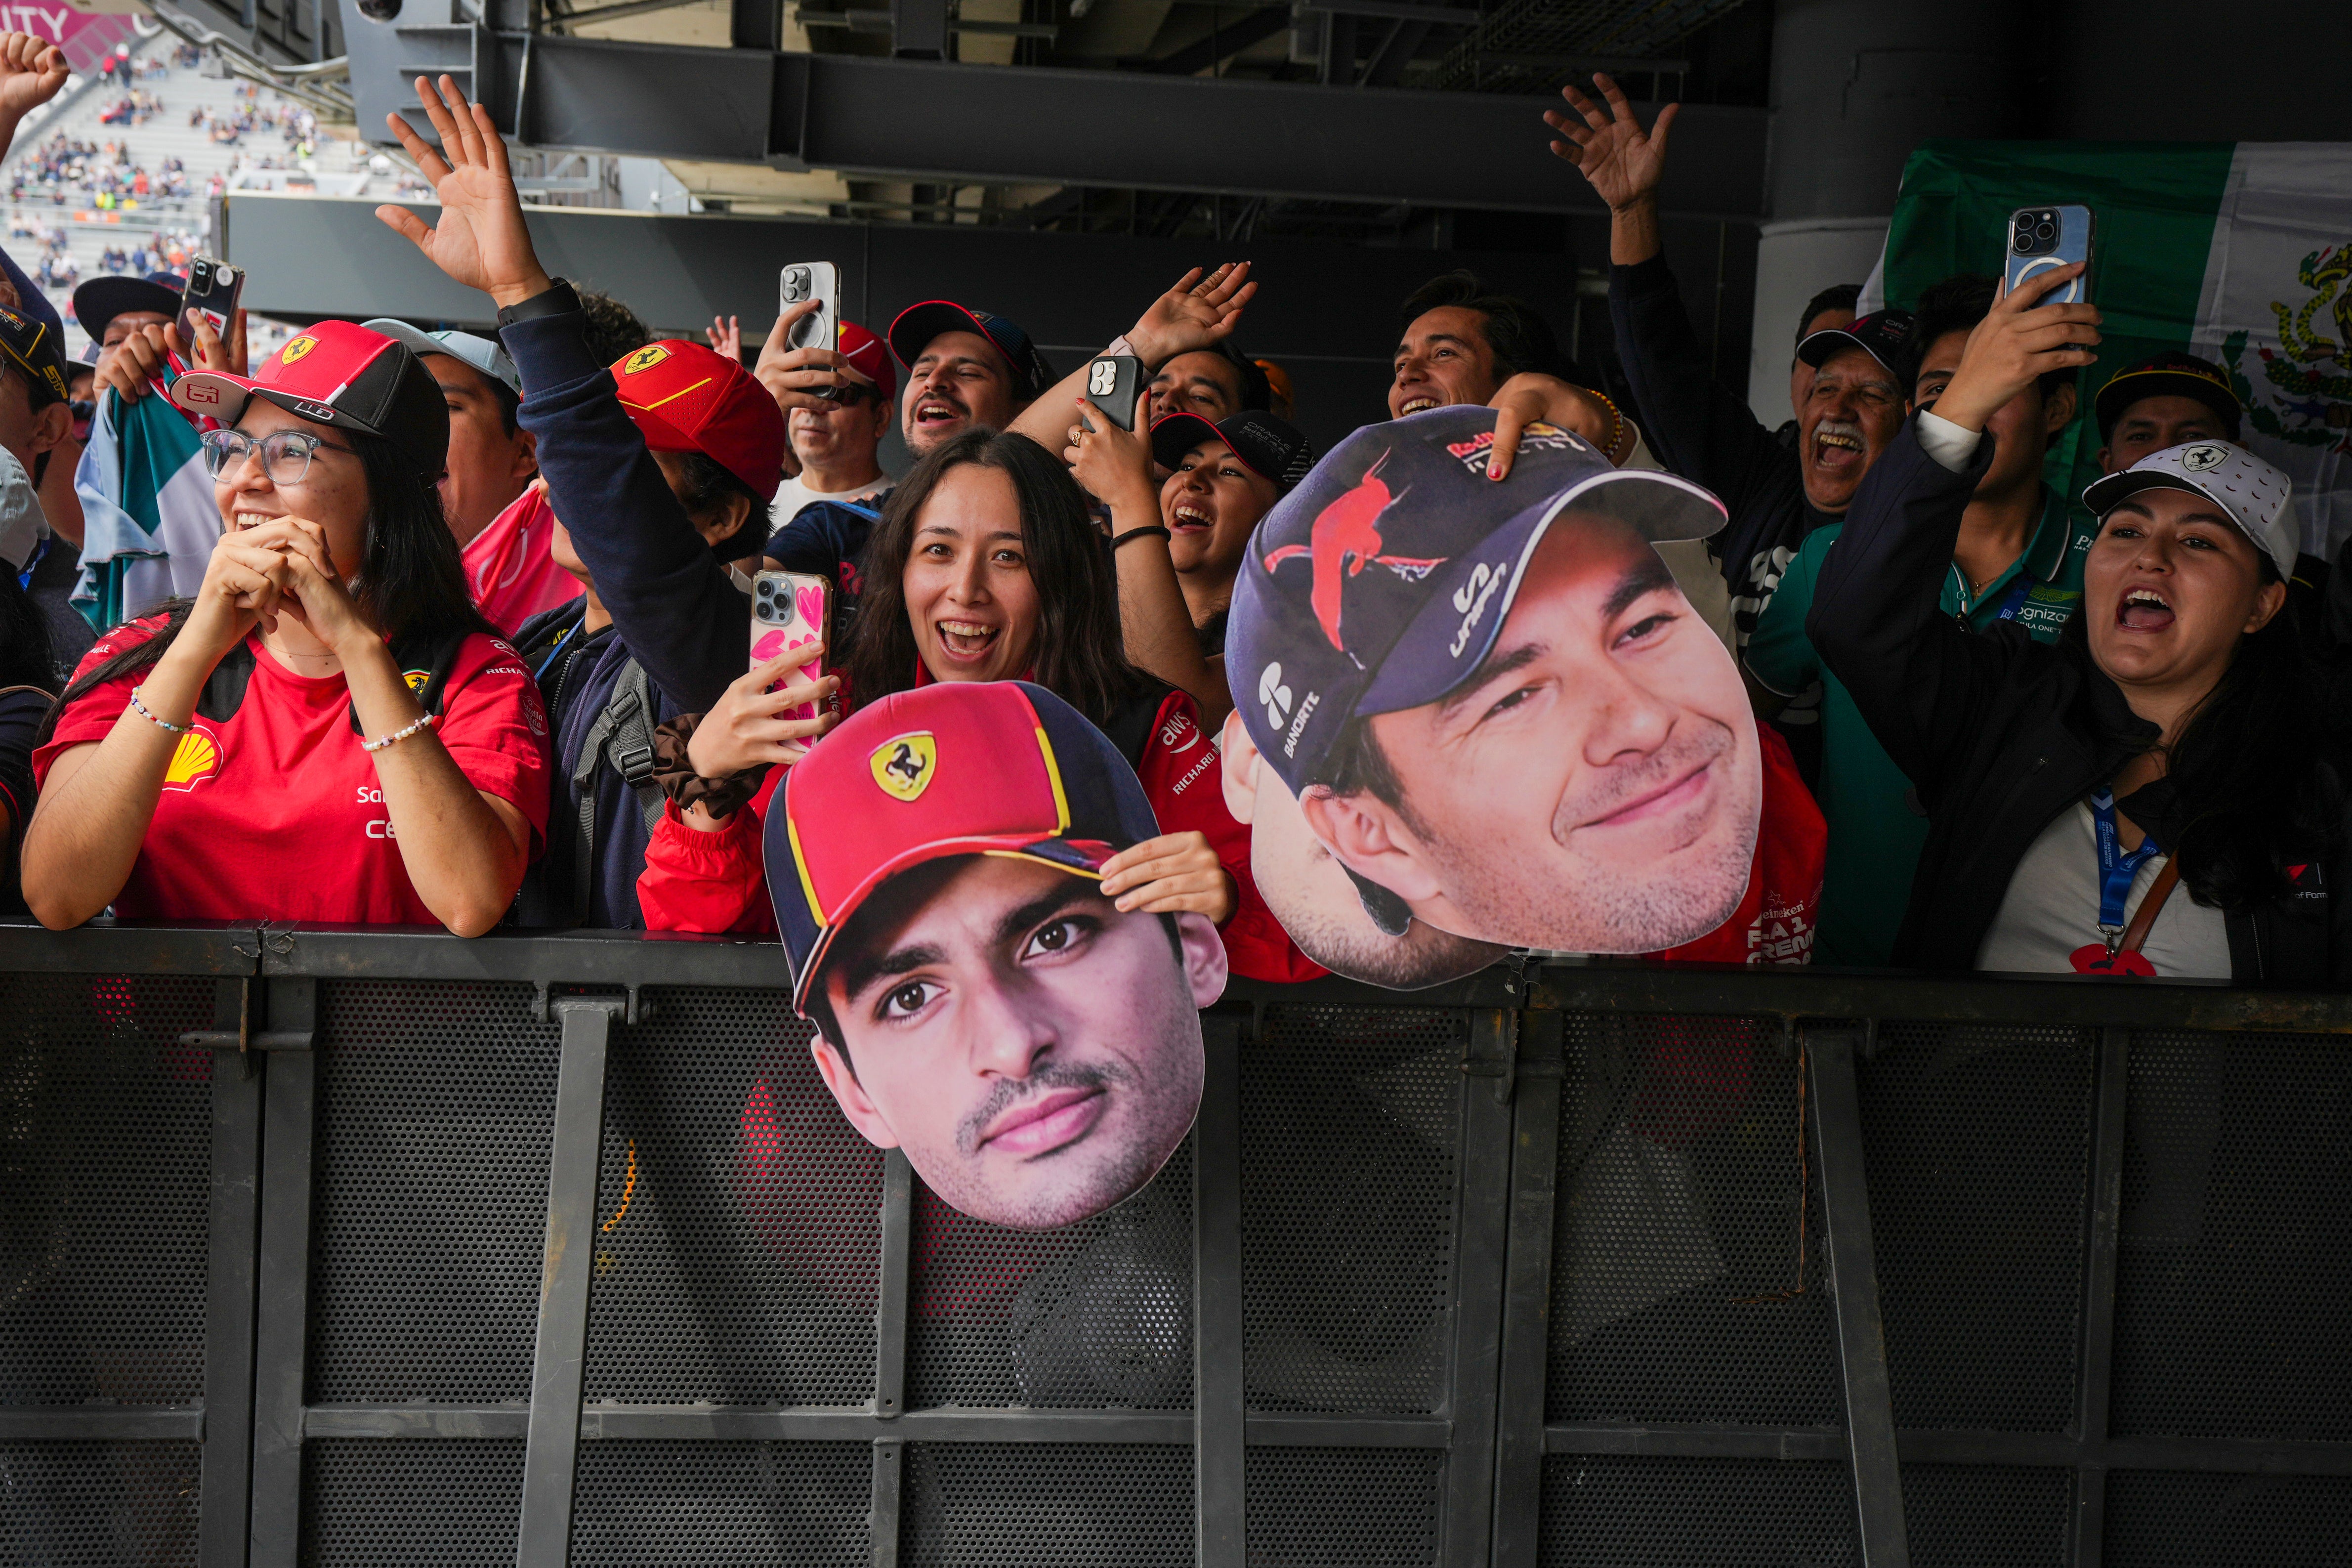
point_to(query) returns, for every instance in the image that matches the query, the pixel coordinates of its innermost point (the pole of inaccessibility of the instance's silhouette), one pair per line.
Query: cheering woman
(327, 731)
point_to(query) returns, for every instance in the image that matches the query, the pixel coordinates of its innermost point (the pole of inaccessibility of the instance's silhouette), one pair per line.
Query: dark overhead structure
(1015, 124)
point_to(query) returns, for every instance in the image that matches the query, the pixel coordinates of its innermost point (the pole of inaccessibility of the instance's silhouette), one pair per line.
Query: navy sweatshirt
(673, 607)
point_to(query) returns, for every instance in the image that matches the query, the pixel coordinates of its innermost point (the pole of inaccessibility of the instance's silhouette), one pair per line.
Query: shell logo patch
(903, 764)
(196, 758)
(296, 349)
(644, 359)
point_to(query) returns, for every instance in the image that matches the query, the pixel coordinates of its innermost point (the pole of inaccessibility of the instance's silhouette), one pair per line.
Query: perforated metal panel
(1352, 1130)
(441, 1503)
(1687, 1276)
(2167, 1519)
(800, 1503)
(1620, 1512)
(105, 1161)
(1968, 1516)
(738, 1245)
(1977, 1142)
(1045, 1505)
(64, 1505)
(2234, 1284)
(1097, 1314)
(1344, 1507)
(434, 1104)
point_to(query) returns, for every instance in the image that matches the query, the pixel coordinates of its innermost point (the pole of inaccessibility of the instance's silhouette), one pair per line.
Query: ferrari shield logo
(903, 765)
(296, 349)
(645, 358)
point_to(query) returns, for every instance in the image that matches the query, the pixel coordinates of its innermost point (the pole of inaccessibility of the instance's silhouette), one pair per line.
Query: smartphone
(1112, 383)
(790, 610)
(806, 281)
(213, 290)
(2043, 237)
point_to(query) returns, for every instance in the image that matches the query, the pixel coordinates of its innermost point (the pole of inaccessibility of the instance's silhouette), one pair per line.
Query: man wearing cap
(964, 367)
(1495, 707)
(1861, 372)
(2166, 400)
(1177, 544)
(661, 468)
(836, 404)
(936, 865)
(35, 424)
(2019, 558)
(112, 308)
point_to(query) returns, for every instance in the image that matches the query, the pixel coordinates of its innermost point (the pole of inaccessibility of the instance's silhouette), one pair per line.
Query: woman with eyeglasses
(327, 731)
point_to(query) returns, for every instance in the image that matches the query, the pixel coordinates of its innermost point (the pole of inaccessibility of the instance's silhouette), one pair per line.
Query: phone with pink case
(790, 610)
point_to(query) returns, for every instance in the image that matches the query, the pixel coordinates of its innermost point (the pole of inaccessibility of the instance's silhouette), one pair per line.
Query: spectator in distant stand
(1829, 310)
(2174, 718)
(1698, 428)
(2019, 558)
(327, 731)
(501, 520)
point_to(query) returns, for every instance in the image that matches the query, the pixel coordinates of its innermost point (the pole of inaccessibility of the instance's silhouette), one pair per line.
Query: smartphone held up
(802, 281)
(2043, 237)
(791, 610)
(212, 292)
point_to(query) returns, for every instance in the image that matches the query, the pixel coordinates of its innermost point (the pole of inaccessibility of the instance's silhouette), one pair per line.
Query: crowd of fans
(474, 636)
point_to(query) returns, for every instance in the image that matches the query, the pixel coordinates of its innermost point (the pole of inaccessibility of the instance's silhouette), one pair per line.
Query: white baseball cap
(2257, 497)
(484, 354)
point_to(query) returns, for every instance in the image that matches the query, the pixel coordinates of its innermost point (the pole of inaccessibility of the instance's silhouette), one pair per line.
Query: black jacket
(1702, 432)
(2002, 734)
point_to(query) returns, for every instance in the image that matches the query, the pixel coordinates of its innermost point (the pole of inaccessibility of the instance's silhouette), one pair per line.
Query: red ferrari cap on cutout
(342, 375)
(687, 398)
(953, 768)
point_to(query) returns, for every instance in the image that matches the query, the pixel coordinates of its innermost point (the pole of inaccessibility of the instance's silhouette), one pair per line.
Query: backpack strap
(623, 739)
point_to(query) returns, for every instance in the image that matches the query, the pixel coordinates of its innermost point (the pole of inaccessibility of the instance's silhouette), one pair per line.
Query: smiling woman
(329, 695)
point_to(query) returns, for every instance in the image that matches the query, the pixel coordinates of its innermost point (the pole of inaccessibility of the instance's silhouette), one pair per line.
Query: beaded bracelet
(1616, 425)
(430, 722)
(141, 709)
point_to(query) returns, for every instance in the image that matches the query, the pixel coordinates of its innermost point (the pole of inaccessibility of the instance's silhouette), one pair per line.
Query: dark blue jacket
(827, 539)
(674, 609)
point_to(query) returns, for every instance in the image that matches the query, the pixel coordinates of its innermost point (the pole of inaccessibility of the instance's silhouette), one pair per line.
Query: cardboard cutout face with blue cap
(936, 863)
(1494, 711)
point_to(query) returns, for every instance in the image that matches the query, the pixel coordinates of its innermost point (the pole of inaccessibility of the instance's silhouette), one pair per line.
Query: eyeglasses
(285, 454)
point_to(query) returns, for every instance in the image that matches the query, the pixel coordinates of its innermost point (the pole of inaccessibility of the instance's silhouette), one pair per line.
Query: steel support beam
(1242, 138)
(1219, 1392)
(282, 1284)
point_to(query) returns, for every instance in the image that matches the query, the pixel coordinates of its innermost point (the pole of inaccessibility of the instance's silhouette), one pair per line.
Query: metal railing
(550, 1250)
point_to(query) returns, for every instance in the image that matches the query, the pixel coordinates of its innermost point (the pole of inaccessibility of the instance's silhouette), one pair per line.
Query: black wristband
(554, 301)
(1154, 531)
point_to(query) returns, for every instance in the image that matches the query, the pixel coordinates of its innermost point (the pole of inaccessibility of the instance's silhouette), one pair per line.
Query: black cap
(1885, 335)
(2169, 374)
(1270, 447)
(917, 325)
(99, 300)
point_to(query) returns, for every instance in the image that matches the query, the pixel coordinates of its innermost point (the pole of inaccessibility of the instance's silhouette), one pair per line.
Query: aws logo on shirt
(196, 758)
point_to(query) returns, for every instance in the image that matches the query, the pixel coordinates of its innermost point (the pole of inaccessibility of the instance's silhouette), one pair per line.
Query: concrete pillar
(1856, 84)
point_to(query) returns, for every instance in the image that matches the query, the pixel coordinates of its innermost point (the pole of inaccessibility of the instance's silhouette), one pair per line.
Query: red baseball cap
(337, 373)
(686, 398)
(872, 358)
(998, 767)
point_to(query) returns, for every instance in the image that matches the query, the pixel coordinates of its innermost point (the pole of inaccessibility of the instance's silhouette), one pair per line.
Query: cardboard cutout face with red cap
(1487, 705)
(936, 863)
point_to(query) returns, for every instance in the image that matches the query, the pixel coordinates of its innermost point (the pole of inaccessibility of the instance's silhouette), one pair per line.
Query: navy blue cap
(1381, 583)
(1885, 335)
(1273, 448)
(105, 297)
(33, 336)
(917, 325)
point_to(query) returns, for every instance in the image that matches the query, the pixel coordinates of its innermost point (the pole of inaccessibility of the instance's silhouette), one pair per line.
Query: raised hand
(1172, 874)
(480, 240)
(1197, 314)
(31, 73)
(726, 335)
(1112, 465)
(2020, 341)
(742, 729)
(1532, 395)
(1623, 161)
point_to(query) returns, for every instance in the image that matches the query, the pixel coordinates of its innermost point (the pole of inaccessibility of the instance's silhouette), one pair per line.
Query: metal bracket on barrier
(1501, 1064)
(245, 1037)
(635, 1008)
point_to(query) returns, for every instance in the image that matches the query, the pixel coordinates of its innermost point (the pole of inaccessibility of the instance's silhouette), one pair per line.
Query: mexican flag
(2239, 252)
(147, 519)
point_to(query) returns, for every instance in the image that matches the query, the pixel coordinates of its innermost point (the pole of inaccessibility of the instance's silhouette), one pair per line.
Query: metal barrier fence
(376, 1247)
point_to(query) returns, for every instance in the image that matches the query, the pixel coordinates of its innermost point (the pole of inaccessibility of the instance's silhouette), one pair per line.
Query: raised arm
(668, 595)
(31, 73)
(1199, 313)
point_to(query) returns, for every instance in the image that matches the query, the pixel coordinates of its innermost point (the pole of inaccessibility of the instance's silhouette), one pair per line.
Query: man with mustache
(1861, 373)
(1499, 715)
(936, 864)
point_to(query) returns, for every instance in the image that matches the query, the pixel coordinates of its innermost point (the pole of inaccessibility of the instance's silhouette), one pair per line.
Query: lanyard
(2014, 600)
(41, 548)
(557, 651)
(2116, 868)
